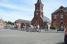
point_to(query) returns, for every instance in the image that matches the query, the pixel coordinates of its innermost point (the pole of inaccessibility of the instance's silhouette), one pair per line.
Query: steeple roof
(61, 7)
(39, 1)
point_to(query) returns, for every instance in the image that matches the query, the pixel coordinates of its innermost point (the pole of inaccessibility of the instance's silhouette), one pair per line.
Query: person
(65, 35)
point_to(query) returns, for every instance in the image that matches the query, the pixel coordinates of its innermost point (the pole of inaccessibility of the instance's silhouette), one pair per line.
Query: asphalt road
(18, 37)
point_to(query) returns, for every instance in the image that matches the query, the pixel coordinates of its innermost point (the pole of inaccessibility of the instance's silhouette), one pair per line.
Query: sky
(11, 10)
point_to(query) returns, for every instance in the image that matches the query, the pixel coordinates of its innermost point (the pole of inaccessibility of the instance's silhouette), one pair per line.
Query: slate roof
(64, 9)
(2, 21)
(45, 19)
(23, 21)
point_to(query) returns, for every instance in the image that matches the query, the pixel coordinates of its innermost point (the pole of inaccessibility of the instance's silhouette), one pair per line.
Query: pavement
(19, 37)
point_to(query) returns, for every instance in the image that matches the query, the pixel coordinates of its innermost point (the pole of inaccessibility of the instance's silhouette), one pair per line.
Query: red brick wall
(65, 19)
(37, 20)
(57, 22)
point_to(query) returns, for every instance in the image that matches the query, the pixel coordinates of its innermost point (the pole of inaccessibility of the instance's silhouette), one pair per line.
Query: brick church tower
(38, 14)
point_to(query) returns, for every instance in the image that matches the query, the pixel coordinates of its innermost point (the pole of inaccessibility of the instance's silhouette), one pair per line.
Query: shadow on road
(60, 43)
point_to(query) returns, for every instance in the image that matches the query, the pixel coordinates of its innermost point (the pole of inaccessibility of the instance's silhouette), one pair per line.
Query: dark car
(60, 29)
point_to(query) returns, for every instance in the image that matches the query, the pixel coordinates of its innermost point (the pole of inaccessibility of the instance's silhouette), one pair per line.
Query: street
(19, 37)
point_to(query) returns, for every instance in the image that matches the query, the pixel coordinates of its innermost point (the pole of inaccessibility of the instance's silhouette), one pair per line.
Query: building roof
(65, 9)
(23, 21)
(39, 1)
(2, 21)
(45, 19)
(60, 8)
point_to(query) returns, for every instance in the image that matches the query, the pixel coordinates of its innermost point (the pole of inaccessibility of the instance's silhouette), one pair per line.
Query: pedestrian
(65, 35)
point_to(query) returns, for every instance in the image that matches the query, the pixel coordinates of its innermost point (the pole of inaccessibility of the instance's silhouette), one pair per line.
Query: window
(37, 10)
(36, 13)
(55, 16)
(61, 16)
(61, 20)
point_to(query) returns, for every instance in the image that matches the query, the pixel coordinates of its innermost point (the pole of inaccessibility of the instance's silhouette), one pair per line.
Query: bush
(52, 27)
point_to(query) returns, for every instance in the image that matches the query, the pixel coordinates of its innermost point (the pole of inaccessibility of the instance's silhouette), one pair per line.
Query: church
(38, 20)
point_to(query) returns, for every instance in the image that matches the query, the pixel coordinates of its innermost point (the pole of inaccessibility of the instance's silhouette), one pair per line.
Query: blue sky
(11, 10)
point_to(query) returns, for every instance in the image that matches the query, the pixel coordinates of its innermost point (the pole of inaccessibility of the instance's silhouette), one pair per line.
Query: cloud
(14, 16)
(13, 7)
(12, 12)
(24, 9)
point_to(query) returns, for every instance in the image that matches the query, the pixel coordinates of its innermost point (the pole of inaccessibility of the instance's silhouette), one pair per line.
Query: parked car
(60, 29)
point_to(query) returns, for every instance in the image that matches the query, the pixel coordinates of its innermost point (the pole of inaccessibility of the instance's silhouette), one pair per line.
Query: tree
(9, 22)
